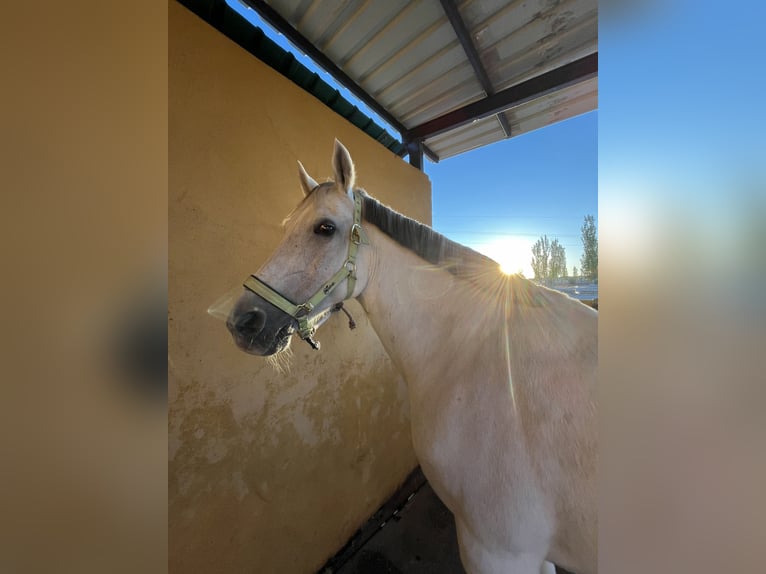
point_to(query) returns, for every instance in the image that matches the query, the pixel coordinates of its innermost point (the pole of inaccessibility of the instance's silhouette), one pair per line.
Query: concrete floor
(420, 539)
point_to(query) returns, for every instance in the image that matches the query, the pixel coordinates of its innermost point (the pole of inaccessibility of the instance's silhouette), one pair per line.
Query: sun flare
(512, 253)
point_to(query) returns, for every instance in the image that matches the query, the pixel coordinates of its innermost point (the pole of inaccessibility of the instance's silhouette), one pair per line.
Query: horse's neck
(421, 314)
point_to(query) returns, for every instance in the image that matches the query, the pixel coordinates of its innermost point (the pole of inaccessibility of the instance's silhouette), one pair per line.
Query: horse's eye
(325, 228)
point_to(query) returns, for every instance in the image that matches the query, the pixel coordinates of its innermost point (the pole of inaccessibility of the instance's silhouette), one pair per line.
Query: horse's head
(317, 265)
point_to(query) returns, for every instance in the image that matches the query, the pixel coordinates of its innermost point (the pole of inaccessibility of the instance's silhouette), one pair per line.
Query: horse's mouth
(278, 344)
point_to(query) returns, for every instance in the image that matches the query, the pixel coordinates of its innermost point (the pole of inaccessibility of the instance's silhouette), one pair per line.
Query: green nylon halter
(301, 313)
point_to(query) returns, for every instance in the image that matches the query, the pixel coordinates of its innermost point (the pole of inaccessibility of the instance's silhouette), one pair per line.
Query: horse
(501, 372)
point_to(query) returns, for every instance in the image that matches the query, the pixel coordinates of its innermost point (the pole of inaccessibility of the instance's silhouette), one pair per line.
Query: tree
(558, 263)
(549, 260)
(574, 271)
(589, 260)
(541, 252)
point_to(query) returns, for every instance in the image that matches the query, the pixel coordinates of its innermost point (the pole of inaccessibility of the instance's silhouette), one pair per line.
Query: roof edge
(234, 26)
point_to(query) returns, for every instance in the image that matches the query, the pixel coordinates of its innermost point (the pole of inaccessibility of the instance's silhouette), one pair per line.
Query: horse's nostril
(251, 323)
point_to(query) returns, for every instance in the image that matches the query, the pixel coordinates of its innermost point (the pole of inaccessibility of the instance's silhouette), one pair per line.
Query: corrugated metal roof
(409, 58)
(255, 41)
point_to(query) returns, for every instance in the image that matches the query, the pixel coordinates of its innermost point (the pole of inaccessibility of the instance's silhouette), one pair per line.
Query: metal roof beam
(304, 44)
(565, 76)
(464, 36)
(415, 150)
(429, 153)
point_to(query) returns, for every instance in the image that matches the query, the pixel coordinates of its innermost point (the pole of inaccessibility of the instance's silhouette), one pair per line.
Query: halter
(307, 326)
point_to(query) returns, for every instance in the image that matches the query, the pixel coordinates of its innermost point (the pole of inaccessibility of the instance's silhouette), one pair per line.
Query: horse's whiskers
(281, 361)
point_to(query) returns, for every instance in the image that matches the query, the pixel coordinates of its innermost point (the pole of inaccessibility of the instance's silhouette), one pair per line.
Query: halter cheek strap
(301, 313)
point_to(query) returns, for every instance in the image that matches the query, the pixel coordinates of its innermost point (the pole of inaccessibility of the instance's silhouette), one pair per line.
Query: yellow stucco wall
(267, 472)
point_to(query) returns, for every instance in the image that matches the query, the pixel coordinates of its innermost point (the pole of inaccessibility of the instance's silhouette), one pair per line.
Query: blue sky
(501, 198)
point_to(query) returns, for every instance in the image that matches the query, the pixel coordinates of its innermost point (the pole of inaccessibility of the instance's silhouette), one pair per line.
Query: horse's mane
(424, 241)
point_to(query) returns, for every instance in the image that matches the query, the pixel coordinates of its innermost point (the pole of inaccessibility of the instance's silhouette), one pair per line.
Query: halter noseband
(306, 326)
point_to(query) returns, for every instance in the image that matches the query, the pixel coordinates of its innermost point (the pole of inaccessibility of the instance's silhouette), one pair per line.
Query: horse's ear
(307, 182)
(343, 167)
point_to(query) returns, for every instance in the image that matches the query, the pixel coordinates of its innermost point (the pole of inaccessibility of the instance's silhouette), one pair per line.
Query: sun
(513, 254)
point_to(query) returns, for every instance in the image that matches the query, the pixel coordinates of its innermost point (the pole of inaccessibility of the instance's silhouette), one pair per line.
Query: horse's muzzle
(259, 330)
(248, 325)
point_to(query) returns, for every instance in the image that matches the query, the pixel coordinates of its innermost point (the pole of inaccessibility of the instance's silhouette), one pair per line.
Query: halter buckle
(356, 234)
(350, 267)
(303, 310)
